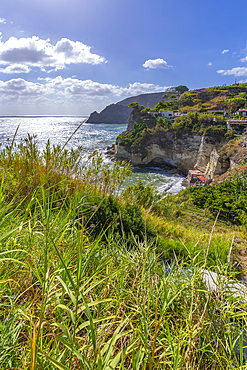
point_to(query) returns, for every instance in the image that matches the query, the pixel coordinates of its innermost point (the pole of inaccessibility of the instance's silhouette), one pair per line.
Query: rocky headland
(119, 113)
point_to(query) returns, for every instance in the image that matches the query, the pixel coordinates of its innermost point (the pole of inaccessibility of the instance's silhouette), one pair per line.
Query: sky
(73, 57)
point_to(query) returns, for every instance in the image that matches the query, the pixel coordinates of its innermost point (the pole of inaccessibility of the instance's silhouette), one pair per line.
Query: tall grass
(71, 298)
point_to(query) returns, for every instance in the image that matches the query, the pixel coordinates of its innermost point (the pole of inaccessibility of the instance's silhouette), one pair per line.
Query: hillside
(226, 98)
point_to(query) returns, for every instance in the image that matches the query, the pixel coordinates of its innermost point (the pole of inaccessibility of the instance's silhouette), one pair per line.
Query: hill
(226, 98)
(120, 112)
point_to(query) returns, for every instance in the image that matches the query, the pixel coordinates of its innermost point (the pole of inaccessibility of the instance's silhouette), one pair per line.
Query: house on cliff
(242, 112)
(164, 113)
(236, 122)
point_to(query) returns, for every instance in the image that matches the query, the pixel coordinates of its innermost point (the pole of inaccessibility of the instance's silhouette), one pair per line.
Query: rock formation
(183, 153)
(120, 112)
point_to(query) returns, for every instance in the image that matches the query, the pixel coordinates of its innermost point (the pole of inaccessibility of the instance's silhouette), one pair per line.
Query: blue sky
(77, 56)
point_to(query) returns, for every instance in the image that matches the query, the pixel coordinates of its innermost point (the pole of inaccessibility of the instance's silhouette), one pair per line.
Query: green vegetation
(228, 196)
(226, 98)
(94, 279)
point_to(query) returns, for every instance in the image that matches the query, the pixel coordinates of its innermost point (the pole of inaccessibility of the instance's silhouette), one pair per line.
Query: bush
(146, 196)
(121, 218)
(228, 196)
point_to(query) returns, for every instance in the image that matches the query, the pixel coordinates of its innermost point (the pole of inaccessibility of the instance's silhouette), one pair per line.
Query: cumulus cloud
(15, 68)
(225, 51)
(35, 52)
(237, 71)
(69, 89)
(209, 63)
(3, 20)
(73, 86)
(20, 87)
(156, 63)
(138, 88)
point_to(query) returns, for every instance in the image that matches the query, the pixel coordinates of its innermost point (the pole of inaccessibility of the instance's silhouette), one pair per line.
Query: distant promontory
(119, 113)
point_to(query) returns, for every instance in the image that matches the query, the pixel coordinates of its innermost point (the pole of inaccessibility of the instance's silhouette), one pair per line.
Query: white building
(166, 113)
(232, 122)
(242, 112)
(178, 114)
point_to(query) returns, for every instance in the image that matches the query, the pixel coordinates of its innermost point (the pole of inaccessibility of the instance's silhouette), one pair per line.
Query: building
(166, 113)
(242, 112)
(178, 114)
(196, 177)
(234, 122)
(193, 176)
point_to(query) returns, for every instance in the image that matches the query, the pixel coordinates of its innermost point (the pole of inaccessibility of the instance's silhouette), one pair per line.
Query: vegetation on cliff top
(217, 98)
(94, 279)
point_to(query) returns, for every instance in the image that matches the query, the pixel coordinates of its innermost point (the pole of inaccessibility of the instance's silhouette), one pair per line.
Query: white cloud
(15, 68)
(20, 87)
(3, 20)
(35, 52)
(138, 88)
(225, 51)
(156, 63)
(237, 71)
(72, 88)
(209, 63)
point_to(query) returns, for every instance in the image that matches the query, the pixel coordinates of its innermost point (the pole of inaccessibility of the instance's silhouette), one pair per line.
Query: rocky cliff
(113, 113)
(235, 153)
(182, 153)
(120, 112)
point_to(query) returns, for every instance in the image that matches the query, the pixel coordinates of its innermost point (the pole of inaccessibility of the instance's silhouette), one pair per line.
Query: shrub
(228, 196)
(120, 218)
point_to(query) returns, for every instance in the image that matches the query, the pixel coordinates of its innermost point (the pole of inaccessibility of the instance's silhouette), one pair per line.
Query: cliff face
(112, 114)
(120, 112)
(235, 153)
(184, 153)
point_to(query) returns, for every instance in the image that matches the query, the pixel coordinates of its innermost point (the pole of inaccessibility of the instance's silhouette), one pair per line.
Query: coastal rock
(119, 113)
(183, 153)
(112, 114)
(217, 165)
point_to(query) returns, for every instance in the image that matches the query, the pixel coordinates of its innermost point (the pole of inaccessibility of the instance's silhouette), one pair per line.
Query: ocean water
(91, 136)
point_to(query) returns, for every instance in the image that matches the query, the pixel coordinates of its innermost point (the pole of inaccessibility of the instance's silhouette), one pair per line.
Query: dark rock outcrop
(120, 112)
(111, 114)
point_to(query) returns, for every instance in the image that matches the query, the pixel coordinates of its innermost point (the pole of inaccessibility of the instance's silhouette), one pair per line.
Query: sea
(58, 129)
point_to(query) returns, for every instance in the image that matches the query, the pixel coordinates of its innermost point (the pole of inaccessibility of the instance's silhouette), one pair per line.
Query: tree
(136, 106)
(181, 89)
(173, 97)
(160, 106)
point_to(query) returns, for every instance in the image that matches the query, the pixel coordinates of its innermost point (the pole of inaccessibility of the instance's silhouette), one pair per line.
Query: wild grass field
(91, 278)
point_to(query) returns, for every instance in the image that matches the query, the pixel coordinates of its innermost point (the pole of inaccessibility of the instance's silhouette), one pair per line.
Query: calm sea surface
(91, 136)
